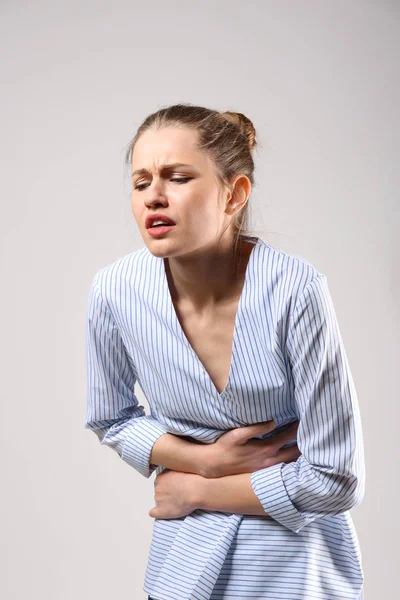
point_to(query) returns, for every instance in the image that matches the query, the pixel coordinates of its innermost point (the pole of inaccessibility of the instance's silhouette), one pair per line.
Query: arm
(112, 409)
(233, 493)
(177, 454)
(329, 476)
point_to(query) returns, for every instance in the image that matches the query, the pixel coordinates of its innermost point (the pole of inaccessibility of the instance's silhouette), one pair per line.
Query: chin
(157, 246)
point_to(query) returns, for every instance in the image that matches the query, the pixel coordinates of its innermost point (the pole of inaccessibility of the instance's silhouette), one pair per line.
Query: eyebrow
(167, 167)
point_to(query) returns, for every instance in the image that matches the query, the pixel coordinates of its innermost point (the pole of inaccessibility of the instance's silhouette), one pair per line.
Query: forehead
(155, 148)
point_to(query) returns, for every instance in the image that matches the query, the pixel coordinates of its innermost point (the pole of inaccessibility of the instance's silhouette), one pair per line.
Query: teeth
(159, 223)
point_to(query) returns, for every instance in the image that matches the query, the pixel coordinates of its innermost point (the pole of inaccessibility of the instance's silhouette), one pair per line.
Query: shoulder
(114, 279)
(288, 275)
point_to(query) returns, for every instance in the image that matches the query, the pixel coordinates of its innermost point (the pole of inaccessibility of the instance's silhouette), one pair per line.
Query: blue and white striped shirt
(288, 363)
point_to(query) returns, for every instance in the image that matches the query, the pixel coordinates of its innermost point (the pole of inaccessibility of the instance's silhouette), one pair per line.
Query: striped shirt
(288, 363)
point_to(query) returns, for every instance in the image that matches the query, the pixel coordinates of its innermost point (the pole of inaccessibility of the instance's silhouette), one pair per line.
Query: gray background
(319, 80)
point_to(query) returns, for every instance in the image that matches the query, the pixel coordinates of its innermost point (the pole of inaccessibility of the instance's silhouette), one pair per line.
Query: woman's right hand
(234, 452)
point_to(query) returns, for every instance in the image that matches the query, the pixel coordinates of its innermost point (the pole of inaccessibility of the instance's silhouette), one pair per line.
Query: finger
(245, 433)
(287, 435)
(287, 455)
(156, 513)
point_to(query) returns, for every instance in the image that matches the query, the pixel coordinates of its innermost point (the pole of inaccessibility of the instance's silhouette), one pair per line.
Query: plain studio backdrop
(319, 80)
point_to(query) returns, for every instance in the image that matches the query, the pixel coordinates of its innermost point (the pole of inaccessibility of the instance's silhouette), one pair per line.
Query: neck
(208, 278)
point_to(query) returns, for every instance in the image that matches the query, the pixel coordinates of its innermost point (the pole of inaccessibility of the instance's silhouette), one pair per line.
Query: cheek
(200, 205)
(208, 213)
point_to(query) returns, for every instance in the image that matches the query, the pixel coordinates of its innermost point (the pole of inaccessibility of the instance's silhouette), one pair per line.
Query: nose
(154, 194)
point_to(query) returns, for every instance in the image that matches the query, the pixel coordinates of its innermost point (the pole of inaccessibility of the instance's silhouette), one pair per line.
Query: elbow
(335, 493)
(354, 485)
(357, 492)
(348, 494)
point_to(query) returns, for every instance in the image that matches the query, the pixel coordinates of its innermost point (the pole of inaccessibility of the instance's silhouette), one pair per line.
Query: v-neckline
(239, 310)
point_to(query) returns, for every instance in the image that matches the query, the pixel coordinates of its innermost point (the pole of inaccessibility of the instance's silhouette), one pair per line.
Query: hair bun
(245, 125)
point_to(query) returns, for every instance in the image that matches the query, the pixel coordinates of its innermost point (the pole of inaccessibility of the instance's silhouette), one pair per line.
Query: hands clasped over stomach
(236, 452)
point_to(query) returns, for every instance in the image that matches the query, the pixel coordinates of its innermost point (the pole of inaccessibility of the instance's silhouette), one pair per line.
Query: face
(190, 195)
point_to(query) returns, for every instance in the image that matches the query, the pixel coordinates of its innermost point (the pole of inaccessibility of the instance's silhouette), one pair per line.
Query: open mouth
(157, 230)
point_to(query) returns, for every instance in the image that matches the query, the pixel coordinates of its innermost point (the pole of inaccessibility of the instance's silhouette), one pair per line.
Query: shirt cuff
(139, 441)
(270, 489)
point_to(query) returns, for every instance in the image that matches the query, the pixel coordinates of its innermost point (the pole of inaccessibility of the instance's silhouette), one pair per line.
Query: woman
(237, 348)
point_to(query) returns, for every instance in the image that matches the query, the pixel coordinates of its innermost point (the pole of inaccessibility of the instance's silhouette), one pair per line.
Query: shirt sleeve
(329, 476)
(112, 408)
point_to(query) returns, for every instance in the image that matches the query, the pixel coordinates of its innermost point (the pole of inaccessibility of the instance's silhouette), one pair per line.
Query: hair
(227, 137)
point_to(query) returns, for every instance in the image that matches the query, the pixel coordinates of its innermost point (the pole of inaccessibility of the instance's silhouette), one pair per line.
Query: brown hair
(228, 137)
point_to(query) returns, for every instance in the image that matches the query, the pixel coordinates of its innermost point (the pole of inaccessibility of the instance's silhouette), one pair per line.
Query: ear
(239, 194)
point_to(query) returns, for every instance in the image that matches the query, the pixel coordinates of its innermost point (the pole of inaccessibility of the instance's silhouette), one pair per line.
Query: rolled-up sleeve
(112, 408)
(329, 476)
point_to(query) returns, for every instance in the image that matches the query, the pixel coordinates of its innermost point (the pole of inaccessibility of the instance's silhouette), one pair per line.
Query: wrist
(207, 461)
(231, 493)
(181, 453)
(201, 490)
(198, 458)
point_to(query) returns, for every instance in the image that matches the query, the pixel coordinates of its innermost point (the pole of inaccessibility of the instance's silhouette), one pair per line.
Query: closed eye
(182, 179)
(179, 180)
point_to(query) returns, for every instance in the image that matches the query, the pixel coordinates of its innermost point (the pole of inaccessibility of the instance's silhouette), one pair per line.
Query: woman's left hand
(175, 494)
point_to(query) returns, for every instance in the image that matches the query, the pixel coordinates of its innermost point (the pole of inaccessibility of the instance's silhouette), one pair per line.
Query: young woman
(254, 428)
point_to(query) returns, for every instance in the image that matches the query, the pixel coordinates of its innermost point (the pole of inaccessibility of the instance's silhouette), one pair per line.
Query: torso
(211, 335)
(211, 338)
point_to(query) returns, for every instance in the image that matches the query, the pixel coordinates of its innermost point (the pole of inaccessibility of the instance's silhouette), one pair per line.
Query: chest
(211, 337)
(223, 366)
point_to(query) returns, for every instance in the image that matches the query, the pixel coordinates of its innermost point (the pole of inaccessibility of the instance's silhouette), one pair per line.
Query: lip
(158, 217)
(156, 232)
